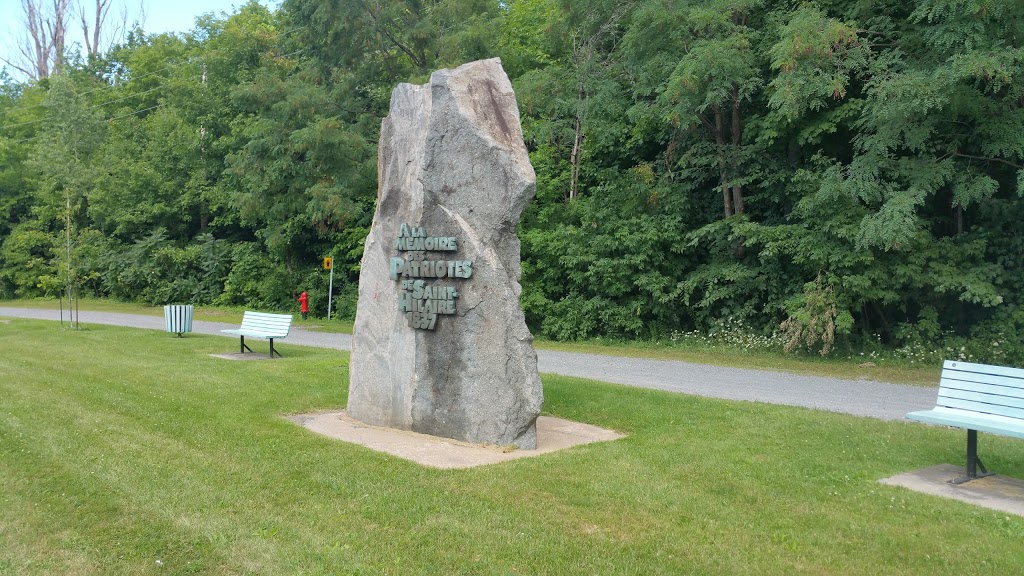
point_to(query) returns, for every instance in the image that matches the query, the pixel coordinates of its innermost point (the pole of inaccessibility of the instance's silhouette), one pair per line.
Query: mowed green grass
(133, 452)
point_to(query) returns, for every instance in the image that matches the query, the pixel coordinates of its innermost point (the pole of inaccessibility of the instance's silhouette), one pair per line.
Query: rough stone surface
(452, 161)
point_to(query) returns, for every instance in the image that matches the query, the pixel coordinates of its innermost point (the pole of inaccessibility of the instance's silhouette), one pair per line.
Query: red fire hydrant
(304, 304)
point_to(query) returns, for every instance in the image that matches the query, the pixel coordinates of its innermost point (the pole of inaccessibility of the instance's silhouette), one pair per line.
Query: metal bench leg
(972, 453)
(272, 351)
(243, 347)
(973, 462)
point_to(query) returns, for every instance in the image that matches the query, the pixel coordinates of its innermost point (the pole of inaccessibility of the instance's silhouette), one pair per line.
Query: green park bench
(262, 325)
(978, 397)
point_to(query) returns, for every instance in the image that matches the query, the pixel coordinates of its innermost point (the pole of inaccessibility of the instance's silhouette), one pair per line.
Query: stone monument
(440, 344)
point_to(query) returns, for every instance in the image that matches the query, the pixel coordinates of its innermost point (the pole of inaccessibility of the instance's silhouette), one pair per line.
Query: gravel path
(857, 397)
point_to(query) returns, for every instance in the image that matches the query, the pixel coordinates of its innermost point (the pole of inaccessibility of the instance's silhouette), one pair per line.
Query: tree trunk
(722, 173)
(737, 189)
(67, 236)
(881, 318)
(58, 28)
(581, 52)
(93, 34)
(104, 32)
(41, 41)
(40, 50)
(577, 148)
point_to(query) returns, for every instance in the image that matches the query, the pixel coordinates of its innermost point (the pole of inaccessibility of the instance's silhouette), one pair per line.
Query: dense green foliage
(840, 172)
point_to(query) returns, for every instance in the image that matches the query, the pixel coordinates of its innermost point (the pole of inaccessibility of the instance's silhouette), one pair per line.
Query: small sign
(328, 263)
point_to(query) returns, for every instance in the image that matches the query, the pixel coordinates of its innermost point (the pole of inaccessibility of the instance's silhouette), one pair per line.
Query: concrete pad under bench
(552, 434)
(238, 356)
(993, 492)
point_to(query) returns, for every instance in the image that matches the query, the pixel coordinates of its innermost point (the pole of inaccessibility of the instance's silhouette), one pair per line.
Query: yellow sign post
(329, 265)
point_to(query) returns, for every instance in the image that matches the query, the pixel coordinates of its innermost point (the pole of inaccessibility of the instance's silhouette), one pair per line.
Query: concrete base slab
(993, 492)
(436, 452)
(246, 356)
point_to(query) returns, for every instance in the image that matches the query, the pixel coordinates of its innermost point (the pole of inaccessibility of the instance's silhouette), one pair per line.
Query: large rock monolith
(440, 344)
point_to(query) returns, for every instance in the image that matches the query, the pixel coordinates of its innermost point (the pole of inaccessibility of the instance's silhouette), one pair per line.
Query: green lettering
(404, 302)
(395, 267)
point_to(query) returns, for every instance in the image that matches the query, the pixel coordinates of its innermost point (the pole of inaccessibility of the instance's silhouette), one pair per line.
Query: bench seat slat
(263, 328)
(961, 381)
(947, 384)
(264, 320)
(256, 319)
(982, 407)
(998, 379)
(255, 329)
(256, 333)
(1011, 402)
(970, 420)
(267, 315)
(950, 367)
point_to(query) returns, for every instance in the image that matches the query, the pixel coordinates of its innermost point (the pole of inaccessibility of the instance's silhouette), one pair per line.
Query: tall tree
(700, 65)
(71, 134)
(99, 30)
(41, 49)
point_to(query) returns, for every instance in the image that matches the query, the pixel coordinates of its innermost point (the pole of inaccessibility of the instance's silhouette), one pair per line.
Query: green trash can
(178, 318)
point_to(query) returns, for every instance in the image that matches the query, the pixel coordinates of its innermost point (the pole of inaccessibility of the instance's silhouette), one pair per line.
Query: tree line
(836, 172)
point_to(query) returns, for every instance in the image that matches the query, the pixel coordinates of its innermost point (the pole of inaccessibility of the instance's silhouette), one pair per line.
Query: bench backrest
(996, 390)
(276, 324)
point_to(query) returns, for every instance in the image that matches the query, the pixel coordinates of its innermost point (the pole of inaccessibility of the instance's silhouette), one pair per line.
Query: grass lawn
(133, 452)
(895, 372)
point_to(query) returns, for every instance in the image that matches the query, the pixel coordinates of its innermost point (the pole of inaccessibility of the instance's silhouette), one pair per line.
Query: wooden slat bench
(262, 325)
(978, 397)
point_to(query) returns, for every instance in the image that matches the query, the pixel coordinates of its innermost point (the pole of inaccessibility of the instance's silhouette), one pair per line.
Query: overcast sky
(161, 16)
